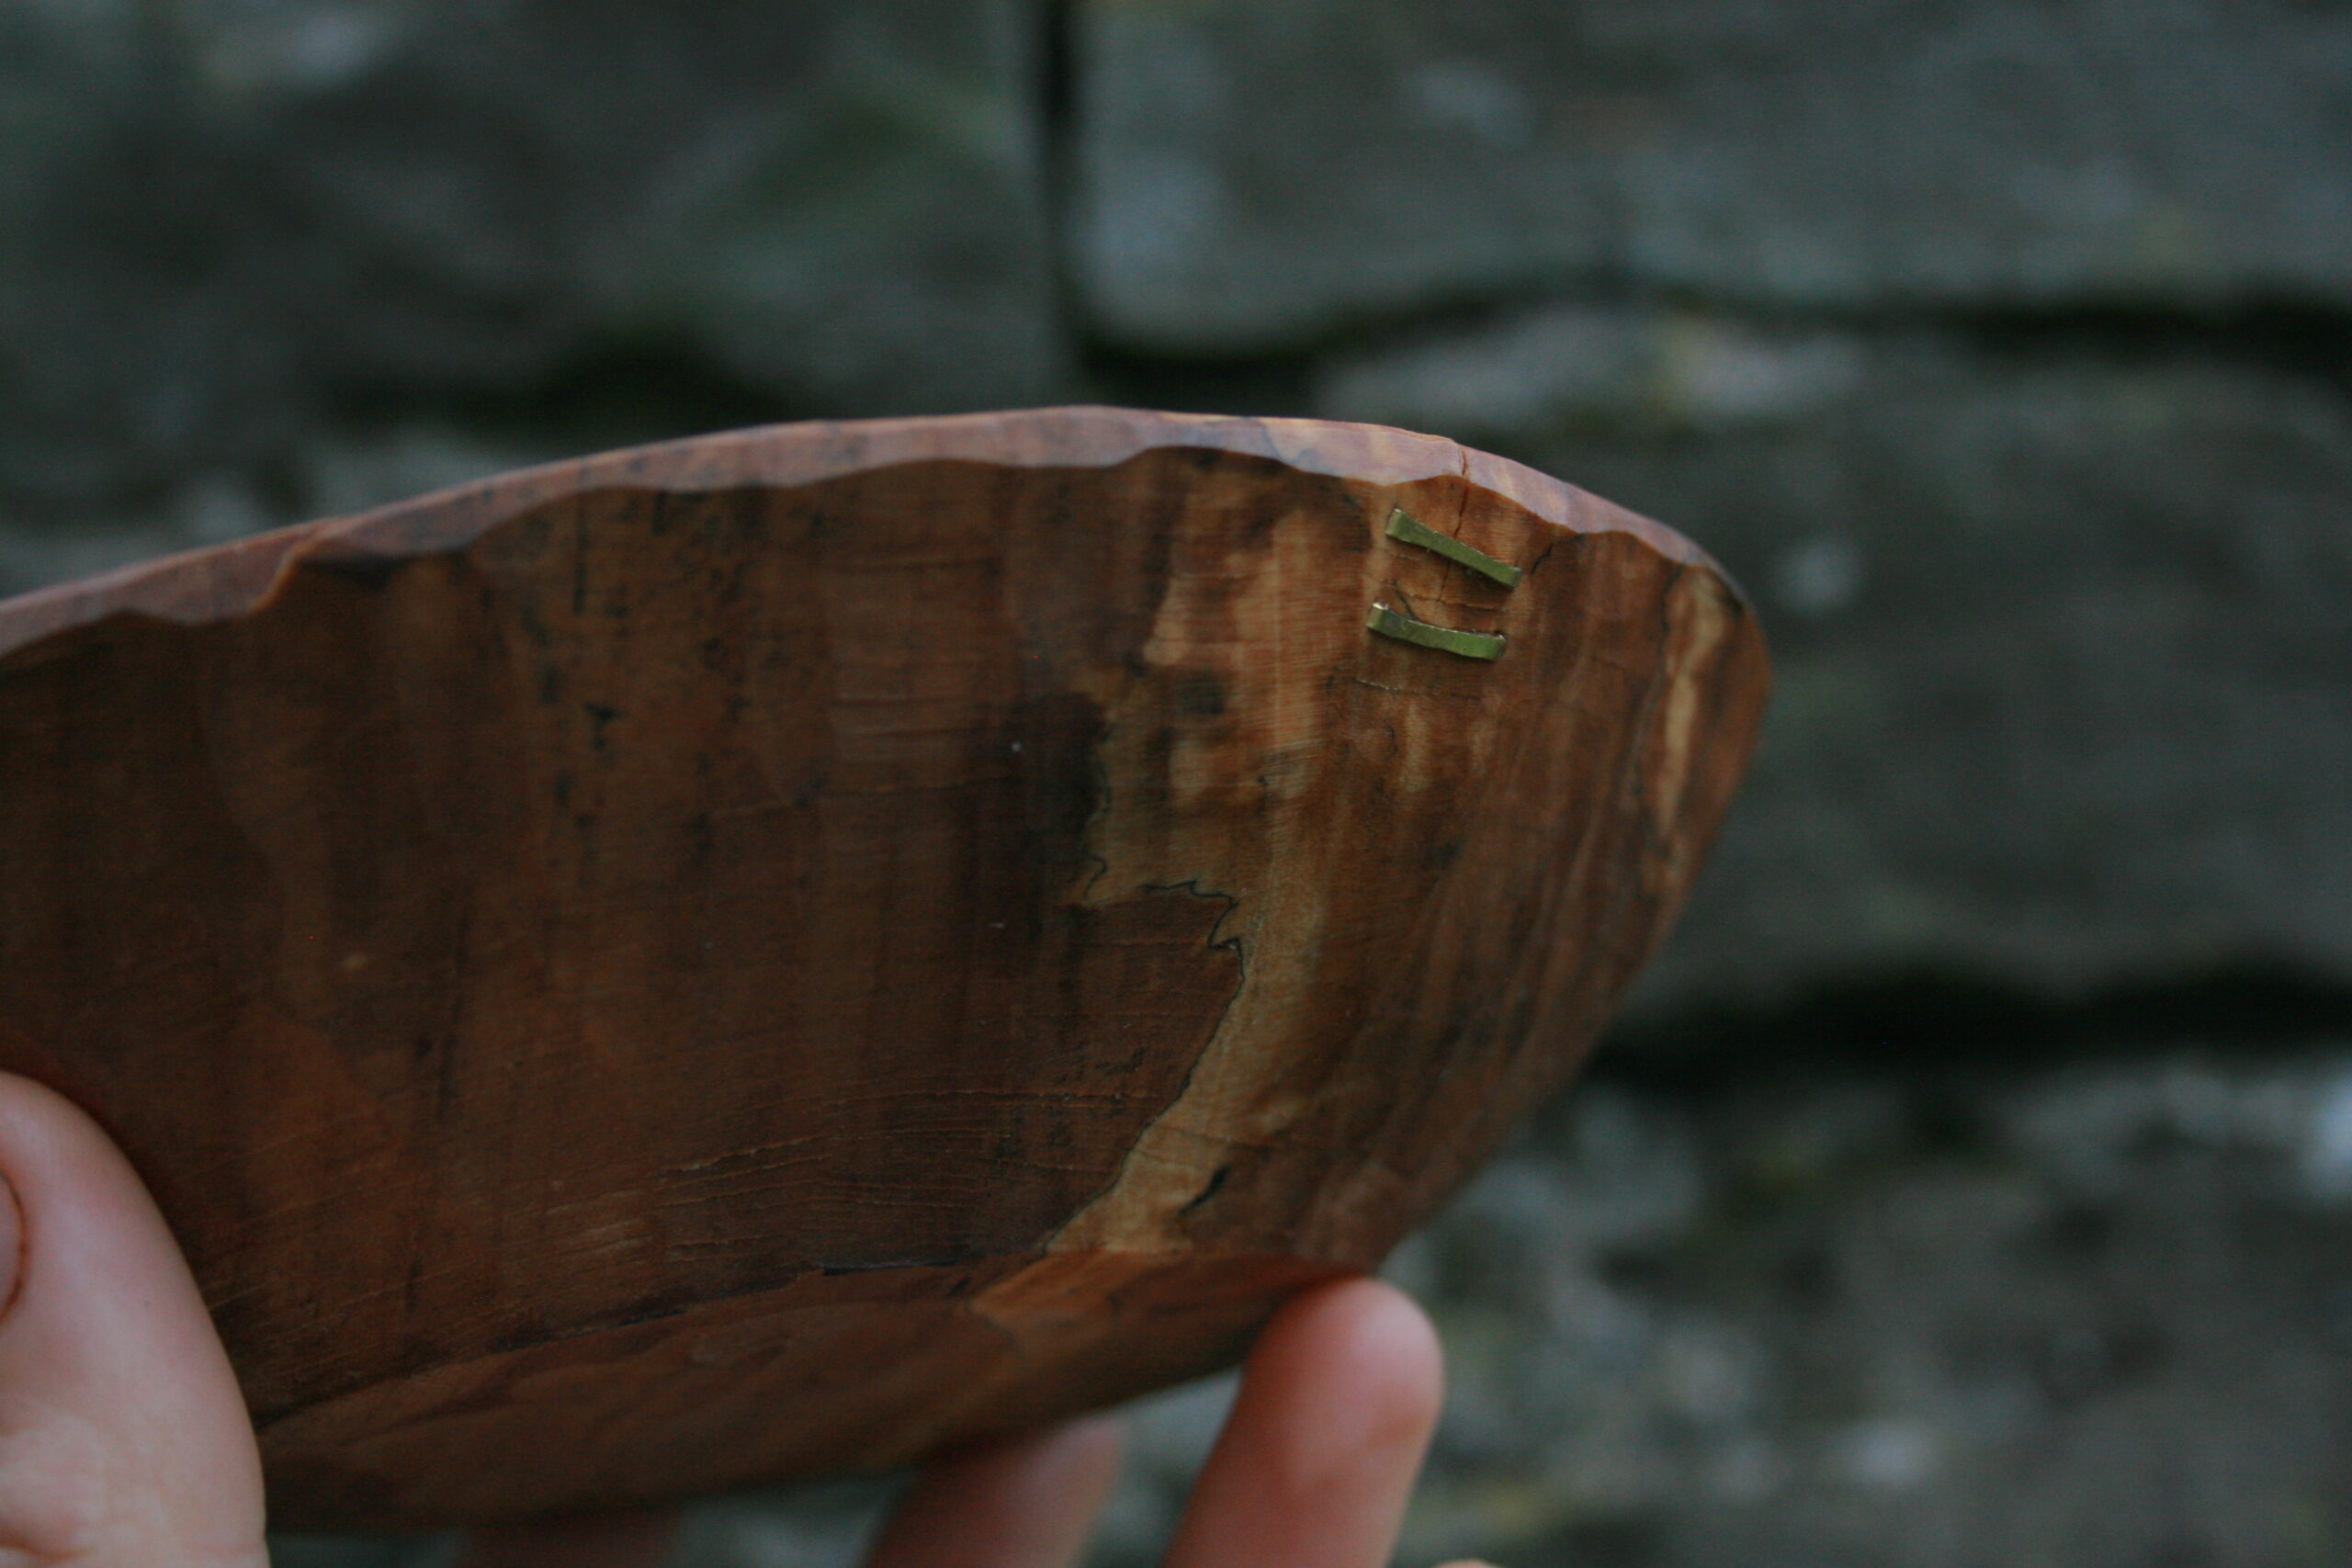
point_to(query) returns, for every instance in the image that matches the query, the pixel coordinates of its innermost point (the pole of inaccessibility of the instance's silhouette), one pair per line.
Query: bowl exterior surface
(770, 954)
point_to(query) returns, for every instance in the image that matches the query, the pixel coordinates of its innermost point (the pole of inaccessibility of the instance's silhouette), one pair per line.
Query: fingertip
(1371, 1316)
(114, 1389)
(1062, 1467)
(1337, 1402)
(1091, 1448)
(97, 1272)
(75, 1200)
(43, 1133)
(1364, 1345)
(1027, 1501)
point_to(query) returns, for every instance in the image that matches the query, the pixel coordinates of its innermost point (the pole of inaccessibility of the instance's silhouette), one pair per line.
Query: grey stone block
(216, 219)
(1254, 175)
(2061, 640)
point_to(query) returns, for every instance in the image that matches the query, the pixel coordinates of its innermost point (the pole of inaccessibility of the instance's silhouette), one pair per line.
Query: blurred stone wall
(2003, 348)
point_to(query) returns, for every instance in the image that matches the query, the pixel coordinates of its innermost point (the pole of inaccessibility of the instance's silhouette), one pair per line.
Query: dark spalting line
(1209, 1189)
(878, 1265)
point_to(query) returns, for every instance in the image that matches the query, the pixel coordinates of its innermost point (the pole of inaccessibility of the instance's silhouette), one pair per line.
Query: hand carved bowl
(768, 955)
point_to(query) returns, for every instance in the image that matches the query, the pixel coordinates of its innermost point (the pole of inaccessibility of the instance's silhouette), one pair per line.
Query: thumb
(123, 1439)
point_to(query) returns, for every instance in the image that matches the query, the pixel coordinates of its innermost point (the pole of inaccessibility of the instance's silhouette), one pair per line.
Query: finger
(639, 1539)
(1316, 1460)
(123, 1438)
(1027, 1503)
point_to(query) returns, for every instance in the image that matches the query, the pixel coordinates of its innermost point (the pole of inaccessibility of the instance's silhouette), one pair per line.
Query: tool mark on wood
(1409, 529)
(1406, 628)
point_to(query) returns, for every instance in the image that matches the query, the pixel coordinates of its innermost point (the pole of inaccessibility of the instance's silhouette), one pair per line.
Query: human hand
(124, 1441)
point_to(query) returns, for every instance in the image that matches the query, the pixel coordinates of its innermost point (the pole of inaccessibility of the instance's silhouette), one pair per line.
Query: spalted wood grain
(768, 955)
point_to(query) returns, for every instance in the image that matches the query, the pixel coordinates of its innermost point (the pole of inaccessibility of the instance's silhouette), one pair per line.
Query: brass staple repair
(1407, 629)
(1404, 526)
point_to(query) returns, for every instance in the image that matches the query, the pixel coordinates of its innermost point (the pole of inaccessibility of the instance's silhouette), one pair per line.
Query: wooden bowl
(769, 955)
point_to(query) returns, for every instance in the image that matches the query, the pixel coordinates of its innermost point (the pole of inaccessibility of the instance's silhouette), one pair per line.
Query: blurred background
(1970, 1181)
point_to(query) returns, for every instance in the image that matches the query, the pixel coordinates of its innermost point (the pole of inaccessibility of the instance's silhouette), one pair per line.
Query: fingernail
(12, 1248)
